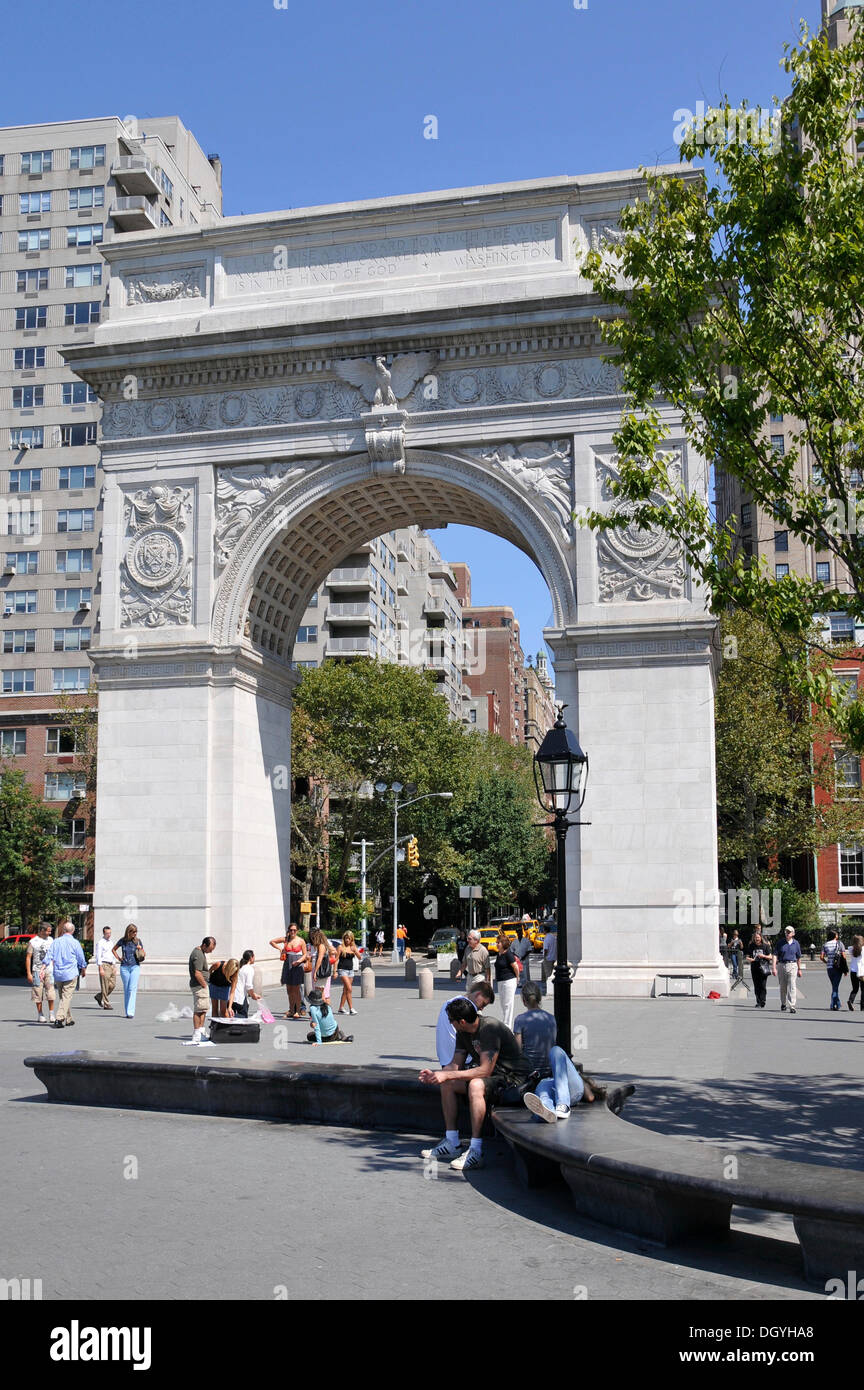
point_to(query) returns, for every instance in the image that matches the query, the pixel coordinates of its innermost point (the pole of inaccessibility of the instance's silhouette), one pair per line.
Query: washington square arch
(282, 388)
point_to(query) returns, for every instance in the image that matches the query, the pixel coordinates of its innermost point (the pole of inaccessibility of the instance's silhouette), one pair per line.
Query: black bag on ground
(234, 1030)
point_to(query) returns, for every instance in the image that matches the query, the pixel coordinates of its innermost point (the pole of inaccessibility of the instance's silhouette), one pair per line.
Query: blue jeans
(129, 975)
(565, 1088)
(400, 947)
(835, 977)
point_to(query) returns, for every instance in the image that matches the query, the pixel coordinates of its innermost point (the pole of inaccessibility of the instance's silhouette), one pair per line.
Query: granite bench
(667, 1190)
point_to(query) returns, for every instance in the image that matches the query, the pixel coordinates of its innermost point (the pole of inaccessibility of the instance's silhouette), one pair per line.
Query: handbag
(840, 962)
(325, 969)
(139, 955)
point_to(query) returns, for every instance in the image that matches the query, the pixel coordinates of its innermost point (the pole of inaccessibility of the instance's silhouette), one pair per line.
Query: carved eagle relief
(381, 385)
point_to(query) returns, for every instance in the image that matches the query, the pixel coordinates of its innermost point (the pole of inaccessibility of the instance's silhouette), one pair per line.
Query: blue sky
(325, 102)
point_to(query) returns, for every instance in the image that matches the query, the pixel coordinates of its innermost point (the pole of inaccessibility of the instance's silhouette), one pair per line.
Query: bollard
(411, 970)
(455, 967)
(367, 984)
(426, 984)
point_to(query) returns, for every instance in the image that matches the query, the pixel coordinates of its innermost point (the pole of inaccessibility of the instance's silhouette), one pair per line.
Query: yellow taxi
(531, 928)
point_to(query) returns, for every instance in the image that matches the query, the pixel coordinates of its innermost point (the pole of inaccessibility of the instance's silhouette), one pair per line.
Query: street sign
(470, 890)
(305, 907)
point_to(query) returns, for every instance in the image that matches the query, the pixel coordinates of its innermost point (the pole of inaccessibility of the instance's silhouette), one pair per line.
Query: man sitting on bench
(497, 1077)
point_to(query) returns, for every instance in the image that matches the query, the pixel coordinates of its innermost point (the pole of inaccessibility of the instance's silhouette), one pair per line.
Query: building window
(781, 571)
(27, 358)
(78, 476)
(70, 600)
(74, 561)
(776, 419)
(75, 519)
(851, 866)
(823, 572)
(82, 276)
(842, 627)
(781, 540)
(778, 444)
(25, 480)
(33, 204)
(86, 312)
(313, 602)
(19, 601)
(847, 771)
(71, 639)
(23, 561)
(36, 316)
(19, 682)
(35, 239)
(71, 436)
(13, 743)
(86, 156)
(71, 678)
(27, 437)
(37, 161)
(83, 199)
(78, 393)
(164, 219)
(26, 397)
(71, 834)
(88, 234)
(847, 682)
(307, 634)
(29, 281)
(20, 640)
(62, 786)
(304, 665)
(167, 185)
(472, 716)
(59, 740)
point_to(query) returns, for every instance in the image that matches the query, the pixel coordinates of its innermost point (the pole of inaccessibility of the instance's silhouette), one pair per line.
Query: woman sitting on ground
(562, 1084)
(323, 1022)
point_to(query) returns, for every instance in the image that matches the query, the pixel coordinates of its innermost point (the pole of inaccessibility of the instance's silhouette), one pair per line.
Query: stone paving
(177, 1206)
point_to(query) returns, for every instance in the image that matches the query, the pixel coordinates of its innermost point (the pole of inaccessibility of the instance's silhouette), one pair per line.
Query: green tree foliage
(30, 862)
(773, 749)
(761, 269)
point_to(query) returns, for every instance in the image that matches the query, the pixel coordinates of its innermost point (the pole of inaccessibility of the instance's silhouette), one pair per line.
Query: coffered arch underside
(324, 511)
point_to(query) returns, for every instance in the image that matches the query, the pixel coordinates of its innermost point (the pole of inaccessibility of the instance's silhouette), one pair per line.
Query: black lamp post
(560, 775)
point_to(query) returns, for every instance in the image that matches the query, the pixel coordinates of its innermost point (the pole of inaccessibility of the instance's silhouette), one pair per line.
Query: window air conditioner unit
(10, 569)
(84, 607)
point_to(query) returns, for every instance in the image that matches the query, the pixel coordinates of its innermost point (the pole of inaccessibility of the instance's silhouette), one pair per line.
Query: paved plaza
(249, 1209)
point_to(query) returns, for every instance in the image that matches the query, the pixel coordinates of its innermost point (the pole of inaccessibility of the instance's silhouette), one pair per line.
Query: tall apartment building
(837, 873)
(65, 189)
(392, 599)
(497, 665)
(539, 701)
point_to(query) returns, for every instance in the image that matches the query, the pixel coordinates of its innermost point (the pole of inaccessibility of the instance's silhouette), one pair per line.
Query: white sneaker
(205, 1042)
(536, 1106)
(470, 1159)
(562, 1111)
(352, 1011)
(443, 1150)
(52, 1018)
(41, 1019)
(189, 1042)
(341, 1011)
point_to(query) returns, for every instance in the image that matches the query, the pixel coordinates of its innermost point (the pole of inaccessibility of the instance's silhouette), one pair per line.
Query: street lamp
(396, 788)
(560, 776)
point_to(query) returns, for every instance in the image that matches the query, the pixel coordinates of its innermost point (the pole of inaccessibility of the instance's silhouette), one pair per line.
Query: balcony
(134, 214)
(349, 613)
(135, 174)
(348, 646)
(433, 604)
(350, 578)
(439, 569)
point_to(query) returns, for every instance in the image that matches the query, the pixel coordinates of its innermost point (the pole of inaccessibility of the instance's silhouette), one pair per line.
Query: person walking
(834, 957)
(65, 959)
(321, 965)
(325, 1029)
(856, 971)
(760, 958)
(199, 981)
(736, 954)
(346, 956)
(294, 957)
(550, 952)
(506, 976)
(131, 955)
(475, 965)
(43, 989)
(106, 963)
(242, 988)
(401, 940)
(788, 959)
(379, 945)
(461, 944)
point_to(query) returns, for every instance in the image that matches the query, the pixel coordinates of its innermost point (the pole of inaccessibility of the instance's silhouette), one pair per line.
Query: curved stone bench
(665, 1189)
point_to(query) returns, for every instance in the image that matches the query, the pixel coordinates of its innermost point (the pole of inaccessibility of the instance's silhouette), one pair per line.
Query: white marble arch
(246, 461)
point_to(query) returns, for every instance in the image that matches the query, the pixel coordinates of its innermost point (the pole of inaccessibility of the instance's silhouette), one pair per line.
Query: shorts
(42, 985)
(200, 999)
(347, 974)
(221, 993)
(292, 974)
(503, 1090)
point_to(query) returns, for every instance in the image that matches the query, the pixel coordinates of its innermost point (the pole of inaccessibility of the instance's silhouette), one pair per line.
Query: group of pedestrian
(784, 961)
(55, 965)
(222, 987)
(489, 1063)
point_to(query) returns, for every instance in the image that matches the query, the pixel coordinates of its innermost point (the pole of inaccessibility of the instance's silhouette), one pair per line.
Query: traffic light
(413, 852)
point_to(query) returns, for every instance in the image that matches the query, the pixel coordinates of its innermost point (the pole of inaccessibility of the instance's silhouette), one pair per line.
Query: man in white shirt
(37, 949)
(445, 1034)
(105, 960)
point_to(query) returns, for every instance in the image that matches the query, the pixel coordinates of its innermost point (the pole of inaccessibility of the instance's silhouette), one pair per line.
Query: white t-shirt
(104, 953)
(38, 950)
(445, 1034)
(855, 964)
(245, 982)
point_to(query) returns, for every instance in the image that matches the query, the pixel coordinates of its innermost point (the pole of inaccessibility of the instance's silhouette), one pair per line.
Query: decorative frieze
(157, 287)
(240, 495)
(636, 565)
(541, 467)
(156, 574)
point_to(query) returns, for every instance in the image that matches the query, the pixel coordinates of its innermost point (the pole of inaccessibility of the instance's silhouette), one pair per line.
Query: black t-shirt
(761, 950)
(493, 1036)
(504, 965)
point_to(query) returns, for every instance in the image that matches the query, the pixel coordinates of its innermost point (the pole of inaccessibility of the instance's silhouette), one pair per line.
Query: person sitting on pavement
(497, 1077)
(561, 1084)
(445, 1034)
(324, 1026)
